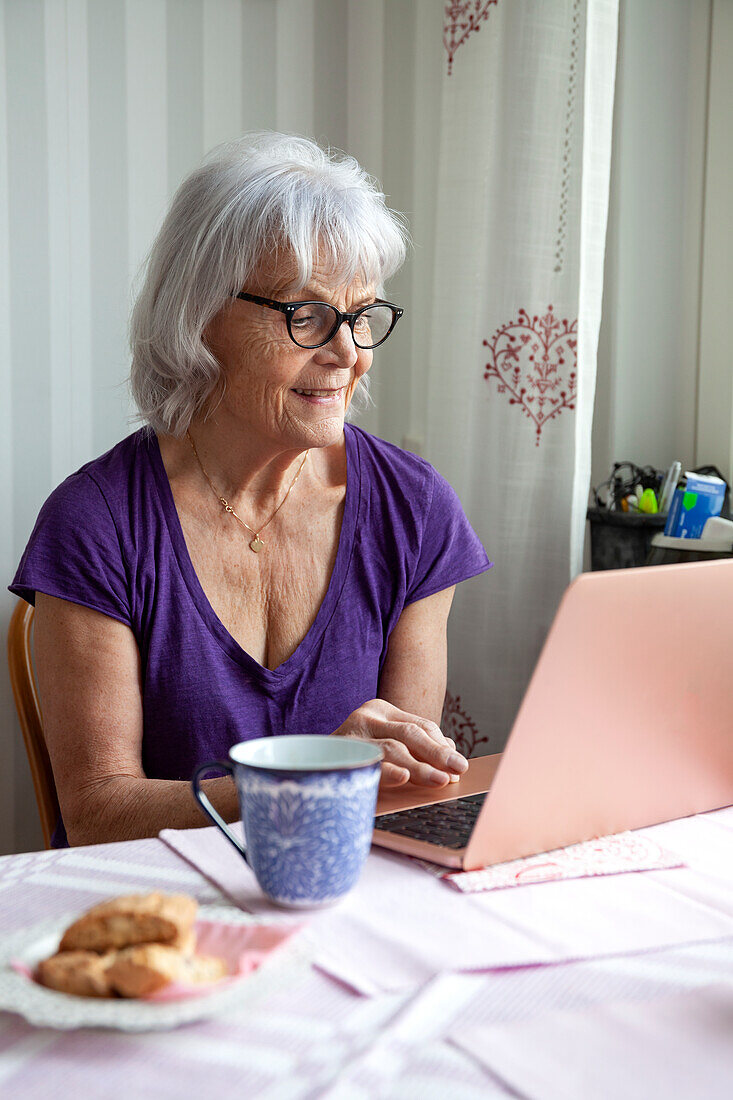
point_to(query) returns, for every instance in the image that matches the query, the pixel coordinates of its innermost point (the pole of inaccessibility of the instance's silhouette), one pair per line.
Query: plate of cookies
(144, 962)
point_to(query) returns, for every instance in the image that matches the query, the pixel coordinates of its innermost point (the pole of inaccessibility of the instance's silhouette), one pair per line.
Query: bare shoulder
(88, 671)
(425, 617)
(77, 623)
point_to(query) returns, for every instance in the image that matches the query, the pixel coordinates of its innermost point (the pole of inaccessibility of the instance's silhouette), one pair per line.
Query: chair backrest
(28, 705)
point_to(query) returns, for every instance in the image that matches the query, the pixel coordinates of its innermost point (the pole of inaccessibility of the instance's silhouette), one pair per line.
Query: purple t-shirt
(109, 537)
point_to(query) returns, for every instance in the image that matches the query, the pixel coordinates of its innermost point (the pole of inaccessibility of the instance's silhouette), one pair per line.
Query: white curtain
(106, 104)
(523, 181)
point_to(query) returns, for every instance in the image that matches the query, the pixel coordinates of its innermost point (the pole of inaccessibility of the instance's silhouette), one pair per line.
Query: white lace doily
(48, 1008)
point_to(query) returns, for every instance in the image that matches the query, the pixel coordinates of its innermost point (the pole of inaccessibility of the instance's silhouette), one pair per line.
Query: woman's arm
(404, 719)
(415, 669)
(88, 672)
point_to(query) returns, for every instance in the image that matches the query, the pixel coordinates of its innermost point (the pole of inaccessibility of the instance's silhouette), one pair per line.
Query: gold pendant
(256, 544)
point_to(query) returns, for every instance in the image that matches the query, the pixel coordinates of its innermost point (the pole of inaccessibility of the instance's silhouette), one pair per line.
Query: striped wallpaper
(105, 105)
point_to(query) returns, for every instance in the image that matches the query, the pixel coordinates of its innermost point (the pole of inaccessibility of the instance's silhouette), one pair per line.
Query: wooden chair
(28, 705)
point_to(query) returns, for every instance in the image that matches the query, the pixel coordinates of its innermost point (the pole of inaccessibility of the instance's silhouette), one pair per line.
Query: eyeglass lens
(315, 323)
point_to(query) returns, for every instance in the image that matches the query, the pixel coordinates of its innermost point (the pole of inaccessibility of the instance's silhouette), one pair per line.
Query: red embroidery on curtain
(456, 723)
(460, 21)
(535, 364)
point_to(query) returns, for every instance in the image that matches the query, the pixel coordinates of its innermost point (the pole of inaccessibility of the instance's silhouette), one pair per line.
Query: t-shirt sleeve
(450, 550)
(75, 553)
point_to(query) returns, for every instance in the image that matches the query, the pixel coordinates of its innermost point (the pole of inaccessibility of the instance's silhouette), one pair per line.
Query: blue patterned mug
(307, 806)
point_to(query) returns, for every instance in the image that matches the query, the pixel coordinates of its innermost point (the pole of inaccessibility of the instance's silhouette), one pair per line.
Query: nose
(342, 346)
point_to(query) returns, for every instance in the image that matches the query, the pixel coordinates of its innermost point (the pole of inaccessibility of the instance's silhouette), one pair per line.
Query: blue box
(693, 505)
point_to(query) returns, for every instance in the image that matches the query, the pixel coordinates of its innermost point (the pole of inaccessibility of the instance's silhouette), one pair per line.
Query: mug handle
(206, 806)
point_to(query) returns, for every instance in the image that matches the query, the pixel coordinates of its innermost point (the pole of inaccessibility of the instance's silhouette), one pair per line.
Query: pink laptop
(627, 721)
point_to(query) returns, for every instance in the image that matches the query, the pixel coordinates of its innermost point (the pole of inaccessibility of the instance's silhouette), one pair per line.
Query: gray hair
(249, 199)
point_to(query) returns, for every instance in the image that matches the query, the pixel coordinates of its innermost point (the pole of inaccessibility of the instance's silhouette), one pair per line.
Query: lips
(318, 393)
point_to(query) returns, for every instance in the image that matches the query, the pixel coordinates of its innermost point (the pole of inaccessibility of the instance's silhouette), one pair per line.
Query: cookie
(83, 973)
(142, 970)
(204, 968)
(139, 918)
(186, 943)
(139, 971)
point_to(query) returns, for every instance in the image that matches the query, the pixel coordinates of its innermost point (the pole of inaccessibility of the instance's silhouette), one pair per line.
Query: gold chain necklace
(256, 544)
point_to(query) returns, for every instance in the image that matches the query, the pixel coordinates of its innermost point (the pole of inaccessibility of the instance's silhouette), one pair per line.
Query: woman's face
(264, 370)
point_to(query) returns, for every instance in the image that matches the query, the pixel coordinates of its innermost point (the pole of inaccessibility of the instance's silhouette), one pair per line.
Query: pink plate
(243, 947)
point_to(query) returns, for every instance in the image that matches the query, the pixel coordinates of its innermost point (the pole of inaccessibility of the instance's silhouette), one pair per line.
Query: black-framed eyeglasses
(313, 324)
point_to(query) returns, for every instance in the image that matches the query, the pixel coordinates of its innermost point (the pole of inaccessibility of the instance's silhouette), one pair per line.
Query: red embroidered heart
(460, 21)
(535, 364)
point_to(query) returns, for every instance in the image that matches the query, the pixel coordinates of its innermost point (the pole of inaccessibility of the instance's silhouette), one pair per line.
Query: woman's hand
(414, 748)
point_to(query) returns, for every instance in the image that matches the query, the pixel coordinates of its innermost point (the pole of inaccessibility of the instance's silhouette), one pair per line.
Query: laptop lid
(628, 718)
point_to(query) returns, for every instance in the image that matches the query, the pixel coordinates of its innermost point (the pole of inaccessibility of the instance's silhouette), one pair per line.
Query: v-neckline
(291, 666)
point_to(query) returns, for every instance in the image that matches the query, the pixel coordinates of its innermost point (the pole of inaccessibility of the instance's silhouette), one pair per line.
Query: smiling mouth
(319, 393)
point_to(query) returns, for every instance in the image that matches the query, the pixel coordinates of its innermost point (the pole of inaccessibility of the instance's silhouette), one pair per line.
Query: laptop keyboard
(448, 824)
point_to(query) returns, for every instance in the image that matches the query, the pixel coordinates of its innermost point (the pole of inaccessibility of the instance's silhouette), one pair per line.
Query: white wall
(715, 393)
(648, 350)
(106, 104)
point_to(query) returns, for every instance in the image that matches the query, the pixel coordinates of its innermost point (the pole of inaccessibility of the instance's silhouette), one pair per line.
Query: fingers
(414, 748)
(432, 759)
(398, 753)
(433, 731)
(441, 755)
(452, 775)
(392, 775)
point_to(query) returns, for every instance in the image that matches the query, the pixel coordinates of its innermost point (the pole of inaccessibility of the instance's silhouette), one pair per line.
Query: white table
(315, 1039)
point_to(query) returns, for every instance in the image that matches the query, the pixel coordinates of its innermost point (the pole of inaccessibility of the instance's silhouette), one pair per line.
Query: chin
(323, 433)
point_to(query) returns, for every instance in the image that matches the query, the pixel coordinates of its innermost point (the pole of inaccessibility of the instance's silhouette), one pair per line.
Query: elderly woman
(247, 564)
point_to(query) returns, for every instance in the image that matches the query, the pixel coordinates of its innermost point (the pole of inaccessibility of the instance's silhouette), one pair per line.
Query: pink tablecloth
(316, 1037)
(401, 926)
